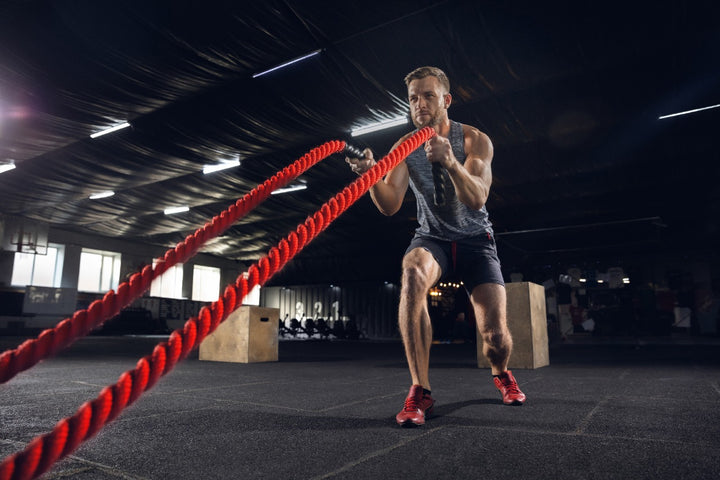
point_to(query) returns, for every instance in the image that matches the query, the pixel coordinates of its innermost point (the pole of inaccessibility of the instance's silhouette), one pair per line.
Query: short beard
(434, 121)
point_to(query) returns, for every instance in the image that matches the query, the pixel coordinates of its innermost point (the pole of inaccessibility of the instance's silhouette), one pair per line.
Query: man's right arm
(388, 193)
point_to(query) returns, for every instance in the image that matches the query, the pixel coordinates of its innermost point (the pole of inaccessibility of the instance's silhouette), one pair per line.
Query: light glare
(6, 167)
(110, 130)
(99, 195)
(289, 189)
(374, 127)
(295, 60)
(173, 210)
(220, 166)
(689, 111)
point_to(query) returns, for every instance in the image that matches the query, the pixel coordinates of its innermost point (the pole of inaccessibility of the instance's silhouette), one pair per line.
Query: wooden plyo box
(249, 335)
(527, 322)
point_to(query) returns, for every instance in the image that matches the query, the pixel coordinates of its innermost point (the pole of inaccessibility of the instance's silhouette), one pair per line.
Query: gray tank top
(454, 220)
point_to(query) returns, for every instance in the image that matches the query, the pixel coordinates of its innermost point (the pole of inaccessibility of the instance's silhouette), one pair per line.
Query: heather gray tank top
(454, 220)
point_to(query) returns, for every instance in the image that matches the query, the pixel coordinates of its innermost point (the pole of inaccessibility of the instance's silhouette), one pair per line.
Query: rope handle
(439, 183)
(353, 151)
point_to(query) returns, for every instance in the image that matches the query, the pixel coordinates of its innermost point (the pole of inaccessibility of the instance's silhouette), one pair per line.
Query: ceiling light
(172, 210)
(221, 166)
(110, 130)
(311, 54)
(689, 111)
(293, 188)
(6, 167)
(99, 195)
(374, 127)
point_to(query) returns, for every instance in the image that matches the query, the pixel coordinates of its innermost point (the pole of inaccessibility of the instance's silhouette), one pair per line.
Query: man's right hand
(361, 165)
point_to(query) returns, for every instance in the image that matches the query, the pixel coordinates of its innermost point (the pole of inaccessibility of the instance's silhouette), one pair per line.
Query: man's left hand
(438, 149)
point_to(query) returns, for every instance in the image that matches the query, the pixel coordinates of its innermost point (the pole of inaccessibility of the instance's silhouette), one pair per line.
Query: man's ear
(447, 98)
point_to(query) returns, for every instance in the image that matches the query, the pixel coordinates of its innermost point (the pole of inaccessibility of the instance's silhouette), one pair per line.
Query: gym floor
(641, 410)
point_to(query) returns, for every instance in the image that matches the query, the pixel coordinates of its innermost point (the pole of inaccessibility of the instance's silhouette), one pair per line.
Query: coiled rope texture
(83, 322)
(42, 452)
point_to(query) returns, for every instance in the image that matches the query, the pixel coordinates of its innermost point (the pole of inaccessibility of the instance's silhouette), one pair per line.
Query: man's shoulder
(474, 136)
(473, 132)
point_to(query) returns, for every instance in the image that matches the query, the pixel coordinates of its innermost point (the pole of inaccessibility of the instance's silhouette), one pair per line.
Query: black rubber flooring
(326, 411)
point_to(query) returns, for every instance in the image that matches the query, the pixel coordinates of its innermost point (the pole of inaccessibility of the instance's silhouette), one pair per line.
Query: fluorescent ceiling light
(293, 188)
(110, 130)
(172, 210)
(6, 167)
(374, 127)
(689, 111)
(295, 60)
(220, 166)
(99, 195)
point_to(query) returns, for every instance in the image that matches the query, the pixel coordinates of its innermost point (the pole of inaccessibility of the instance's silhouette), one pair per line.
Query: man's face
(428, 102)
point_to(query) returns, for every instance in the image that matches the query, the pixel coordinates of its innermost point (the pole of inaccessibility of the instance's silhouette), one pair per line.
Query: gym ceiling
(569, 92)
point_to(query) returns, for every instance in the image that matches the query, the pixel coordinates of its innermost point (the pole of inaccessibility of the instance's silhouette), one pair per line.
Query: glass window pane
(115, 280)
(22, 269)
(106, 273)
(99, 271)
(169, 284)
(253, 296)
(179, 283)
(44, 270)
(90, 267)
(155, 289)
(206, 283)
(173, 287)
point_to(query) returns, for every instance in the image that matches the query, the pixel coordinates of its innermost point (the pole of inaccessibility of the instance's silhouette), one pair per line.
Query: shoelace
(511, 387)
(411, 404)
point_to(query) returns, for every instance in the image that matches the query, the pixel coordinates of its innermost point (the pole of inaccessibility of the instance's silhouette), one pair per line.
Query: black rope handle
(437, 174)
(354, 151)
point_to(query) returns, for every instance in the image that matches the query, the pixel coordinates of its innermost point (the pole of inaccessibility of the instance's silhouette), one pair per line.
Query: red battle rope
(83, 322)
(42, 452)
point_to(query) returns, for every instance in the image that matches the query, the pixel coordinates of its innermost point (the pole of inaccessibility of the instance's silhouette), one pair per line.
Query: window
(253, 296)
(206, 283)
(169, 284)
(99, 271)
(39, 270)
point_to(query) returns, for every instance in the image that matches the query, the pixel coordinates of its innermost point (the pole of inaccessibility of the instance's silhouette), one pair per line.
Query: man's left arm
(473, 179)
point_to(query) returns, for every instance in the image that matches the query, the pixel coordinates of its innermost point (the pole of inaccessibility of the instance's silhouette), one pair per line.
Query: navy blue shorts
(473, 261)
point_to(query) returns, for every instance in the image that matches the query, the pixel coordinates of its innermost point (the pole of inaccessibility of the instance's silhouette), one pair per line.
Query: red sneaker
(417, 405)
(509, 389)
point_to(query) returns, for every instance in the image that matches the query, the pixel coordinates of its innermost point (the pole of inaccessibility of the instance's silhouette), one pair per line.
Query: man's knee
(419, 272)
(495, 338)
(415, 279)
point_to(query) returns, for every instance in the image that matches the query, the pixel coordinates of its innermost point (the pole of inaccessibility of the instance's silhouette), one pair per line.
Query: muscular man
(454, 238)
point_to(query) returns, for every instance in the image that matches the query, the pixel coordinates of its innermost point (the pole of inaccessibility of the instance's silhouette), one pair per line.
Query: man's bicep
(397, 178)
(480, 168)
(479, 151)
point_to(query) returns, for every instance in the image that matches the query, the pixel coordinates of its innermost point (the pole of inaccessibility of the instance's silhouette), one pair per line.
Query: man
(456, 237)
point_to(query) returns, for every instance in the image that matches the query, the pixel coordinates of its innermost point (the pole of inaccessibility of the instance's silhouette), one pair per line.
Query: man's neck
(443, 127)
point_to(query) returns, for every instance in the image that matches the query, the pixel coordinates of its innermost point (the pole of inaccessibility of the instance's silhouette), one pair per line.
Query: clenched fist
(439, 150)
(361, 165)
